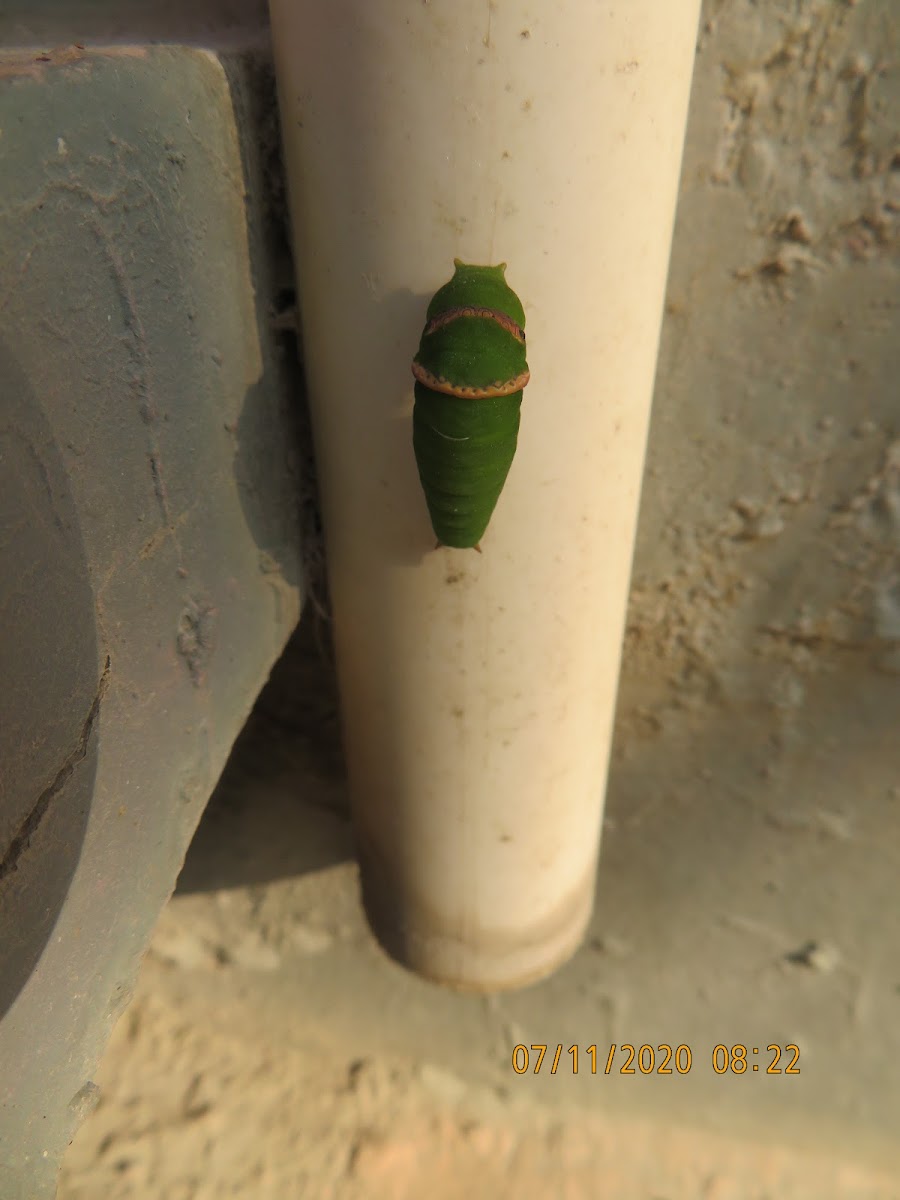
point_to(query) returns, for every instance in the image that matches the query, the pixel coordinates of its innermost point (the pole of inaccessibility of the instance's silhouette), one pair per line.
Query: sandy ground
(201, 1102)
(271, 1050)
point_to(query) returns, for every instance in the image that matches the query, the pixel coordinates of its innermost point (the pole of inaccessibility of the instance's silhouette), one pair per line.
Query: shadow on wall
(281, 807)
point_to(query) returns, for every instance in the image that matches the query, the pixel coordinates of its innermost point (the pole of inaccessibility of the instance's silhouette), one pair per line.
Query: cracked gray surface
(149, 534)
(29, 827)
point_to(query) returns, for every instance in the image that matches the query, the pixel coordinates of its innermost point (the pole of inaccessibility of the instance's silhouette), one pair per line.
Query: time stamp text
(627, 1059)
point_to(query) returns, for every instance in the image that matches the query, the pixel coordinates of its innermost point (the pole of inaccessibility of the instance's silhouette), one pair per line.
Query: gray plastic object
(149, 543)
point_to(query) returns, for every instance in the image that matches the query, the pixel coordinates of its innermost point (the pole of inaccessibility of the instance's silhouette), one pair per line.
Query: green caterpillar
(470, 371)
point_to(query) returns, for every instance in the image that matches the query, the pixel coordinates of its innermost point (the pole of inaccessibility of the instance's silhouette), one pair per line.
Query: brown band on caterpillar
(490, 314)
(497, 388)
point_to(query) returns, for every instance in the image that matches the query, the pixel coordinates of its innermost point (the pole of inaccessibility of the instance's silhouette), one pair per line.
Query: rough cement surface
(747, 891)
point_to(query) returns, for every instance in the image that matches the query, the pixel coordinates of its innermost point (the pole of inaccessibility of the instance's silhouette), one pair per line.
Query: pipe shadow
(281, 807)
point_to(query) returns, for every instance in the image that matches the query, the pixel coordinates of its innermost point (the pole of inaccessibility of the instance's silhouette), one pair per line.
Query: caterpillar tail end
(440, 545)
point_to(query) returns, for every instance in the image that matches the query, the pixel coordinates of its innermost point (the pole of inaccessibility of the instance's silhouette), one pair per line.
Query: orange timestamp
(654, 1060)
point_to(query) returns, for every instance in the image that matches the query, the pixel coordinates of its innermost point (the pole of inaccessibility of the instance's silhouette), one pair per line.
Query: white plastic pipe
(478, 690)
